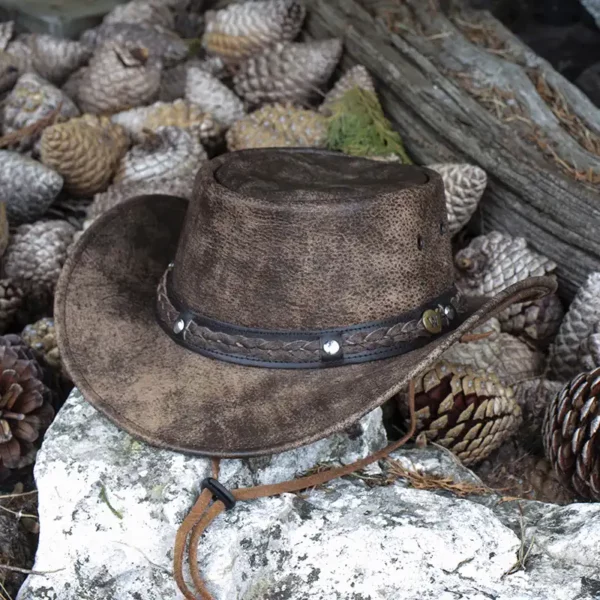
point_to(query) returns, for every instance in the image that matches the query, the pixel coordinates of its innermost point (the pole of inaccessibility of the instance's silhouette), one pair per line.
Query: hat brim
(130, 370)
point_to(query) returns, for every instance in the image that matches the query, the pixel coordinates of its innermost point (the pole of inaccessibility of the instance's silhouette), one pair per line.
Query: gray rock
(28, 187)
(110, 507)
(87, 463)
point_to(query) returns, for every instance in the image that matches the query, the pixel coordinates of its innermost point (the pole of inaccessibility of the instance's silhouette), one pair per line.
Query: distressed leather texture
(134, 373)
(302, 348)
(312, 239)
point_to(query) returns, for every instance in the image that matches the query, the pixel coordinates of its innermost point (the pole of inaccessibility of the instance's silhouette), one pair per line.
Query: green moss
(357, 126)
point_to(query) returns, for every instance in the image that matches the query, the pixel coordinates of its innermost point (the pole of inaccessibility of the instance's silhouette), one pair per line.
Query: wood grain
(529, 195)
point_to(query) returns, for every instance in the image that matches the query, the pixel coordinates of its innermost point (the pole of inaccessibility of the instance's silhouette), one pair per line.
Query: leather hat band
(299, 349)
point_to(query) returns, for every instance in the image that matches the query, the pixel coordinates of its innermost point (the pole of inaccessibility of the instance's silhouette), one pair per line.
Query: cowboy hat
(298, 290)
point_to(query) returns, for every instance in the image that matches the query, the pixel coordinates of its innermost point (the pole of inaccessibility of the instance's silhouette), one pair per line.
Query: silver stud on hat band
(179, 326)
(331, 347)
(449, 312)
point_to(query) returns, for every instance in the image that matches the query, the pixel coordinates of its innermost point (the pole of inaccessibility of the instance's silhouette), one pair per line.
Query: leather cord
(207, 508)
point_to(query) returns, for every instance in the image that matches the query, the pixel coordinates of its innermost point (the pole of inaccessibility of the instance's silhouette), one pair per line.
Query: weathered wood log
(458, 86)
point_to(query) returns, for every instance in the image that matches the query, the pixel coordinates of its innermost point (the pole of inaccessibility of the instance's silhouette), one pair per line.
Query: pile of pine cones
(138, 102)
(521, 401)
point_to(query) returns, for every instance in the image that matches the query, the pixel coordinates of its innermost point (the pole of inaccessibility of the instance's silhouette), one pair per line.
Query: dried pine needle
(570, 121)
(476, 337)
(18, 495)
(525, 548)
(483, 37)
(28, 571)
(18, 514)
(104, 498)
(30, 130)
(394, 470)
(422, 481)
(4, 595)
(504, 105)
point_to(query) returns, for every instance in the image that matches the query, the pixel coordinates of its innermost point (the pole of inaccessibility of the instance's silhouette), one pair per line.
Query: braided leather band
(305, 348)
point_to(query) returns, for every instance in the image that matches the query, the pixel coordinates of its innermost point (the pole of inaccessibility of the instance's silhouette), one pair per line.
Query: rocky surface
(110, 507)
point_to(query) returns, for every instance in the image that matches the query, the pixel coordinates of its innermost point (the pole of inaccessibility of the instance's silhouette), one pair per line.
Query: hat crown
(309, 239)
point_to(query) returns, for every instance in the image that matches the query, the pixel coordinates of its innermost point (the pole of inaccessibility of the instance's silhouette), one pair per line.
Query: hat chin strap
(215, 499)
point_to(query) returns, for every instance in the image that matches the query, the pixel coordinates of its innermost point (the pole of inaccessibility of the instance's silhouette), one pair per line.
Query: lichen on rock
(396, 541)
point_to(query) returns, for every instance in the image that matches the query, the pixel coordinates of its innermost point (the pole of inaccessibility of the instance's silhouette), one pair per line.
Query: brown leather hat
(297, 291)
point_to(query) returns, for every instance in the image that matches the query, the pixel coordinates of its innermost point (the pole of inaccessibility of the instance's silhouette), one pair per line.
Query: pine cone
(534, 397)
(514, 471)
(9, 71)
(119, 77)
(213, 97)
(356, 76)
(7, 30)
(4, 229)
(464, 185)
(28, 187)
(213, 65)
(72, 210)
(73, 83)
(34, 259)
(145, 12)
(589, 349)
(41, 338)
(24, 412)
(24, 352)
(566, 359)
(181, 114)
(278, 125)
(56, 382)
(172, 82)
(495, 261)
(572, 434)
(52, 58)
(537, 322)
(22, 55)
(85, 151)
(163, 45)
(169, 152)
(117, 193)
(174, 79)
(243, 30)
(471, 413)
(30, 100)
(505, 355)
(11, 299)
(287, 72)
(189, 19)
